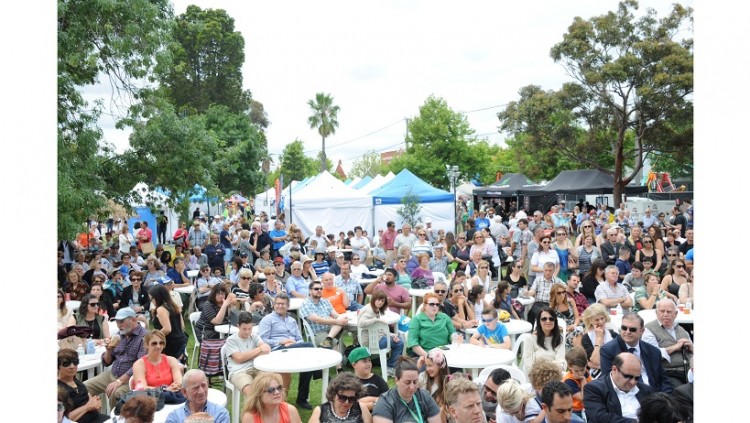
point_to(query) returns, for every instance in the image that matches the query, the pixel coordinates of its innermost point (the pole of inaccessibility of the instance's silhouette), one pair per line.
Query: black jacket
(143, 298)
(602, 404)
(650, 357)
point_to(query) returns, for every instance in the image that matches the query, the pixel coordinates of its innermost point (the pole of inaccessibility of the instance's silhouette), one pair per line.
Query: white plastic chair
(439, 276)
(524, 337)
(309, 334)
(514, 371)
(373, 343)
(228, 385)
(194, 316)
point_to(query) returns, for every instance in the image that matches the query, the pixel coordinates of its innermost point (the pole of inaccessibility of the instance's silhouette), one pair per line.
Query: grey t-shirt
(236, 344)
(390, 406)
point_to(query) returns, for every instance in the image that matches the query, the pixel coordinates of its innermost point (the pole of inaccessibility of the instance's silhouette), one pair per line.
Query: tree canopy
(367, 165)
(631, 97)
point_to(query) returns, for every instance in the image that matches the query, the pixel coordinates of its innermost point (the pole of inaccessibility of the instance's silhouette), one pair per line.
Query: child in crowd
(622, 263)
(634, 279)
(491, 333)
(577, 377)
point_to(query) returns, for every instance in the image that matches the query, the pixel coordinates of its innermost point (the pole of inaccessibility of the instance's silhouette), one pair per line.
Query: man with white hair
(610, 247)
(672, 340)
(497, 229)
(195, 389)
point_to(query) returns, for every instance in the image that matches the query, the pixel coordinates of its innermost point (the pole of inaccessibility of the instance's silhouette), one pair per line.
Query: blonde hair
(593, 311)
(254, 401)
(510, 396)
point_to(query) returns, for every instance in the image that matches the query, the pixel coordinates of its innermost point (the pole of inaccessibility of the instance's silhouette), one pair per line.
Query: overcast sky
(381, 60)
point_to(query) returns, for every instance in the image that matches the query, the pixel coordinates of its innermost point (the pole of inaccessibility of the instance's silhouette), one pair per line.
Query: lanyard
(416, 404)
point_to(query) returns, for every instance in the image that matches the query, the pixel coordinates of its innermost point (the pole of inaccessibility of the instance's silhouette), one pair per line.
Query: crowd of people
(577, 269)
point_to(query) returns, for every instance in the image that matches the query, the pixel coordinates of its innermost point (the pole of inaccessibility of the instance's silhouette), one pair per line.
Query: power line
(360, 137)
(486, 108)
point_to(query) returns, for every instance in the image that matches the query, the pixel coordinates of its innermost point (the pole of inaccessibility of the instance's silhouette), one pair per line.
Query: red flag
(277, 185)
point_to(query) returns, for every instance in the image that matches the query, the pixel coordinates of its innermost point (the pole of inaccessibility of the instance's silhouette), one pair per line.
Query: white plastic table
(91, 363)
(193, 273)
(414, 294)
(73, 305)
(682, 317)
(474, 357)
(295, 303)
(376, 273)
(297, 360)
(214, 395)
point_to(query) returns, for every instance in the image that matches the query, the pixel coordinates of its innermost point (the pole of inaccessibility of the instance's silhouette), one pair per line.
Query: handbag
(155, 393)
(147, 247)
(210, 356)
(420, 283)
(516, 306)
(80, 331)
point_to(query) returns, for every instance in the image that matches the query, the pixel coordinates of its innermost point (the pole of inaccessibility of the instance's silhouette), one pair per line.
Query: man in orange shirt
(336, 296)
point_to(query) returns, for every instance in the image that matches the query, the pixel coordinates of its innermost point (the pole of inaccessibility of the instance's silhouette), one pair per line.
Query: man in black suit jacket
(616, 397)
(611, 248)
(141, 307)
(630, 341)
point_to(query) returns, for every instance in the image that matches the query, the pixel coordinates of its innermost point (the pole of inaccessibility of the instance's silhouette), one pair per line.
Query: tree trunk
(323, 156)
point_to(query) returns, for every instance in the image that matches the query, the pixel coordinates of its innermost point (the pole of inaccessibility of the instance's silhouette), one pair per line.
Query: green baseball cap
(358, 353)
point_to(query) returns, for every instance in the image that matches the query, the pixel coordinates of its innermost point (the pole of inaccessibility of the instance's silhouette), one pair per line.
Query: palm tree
(324, 118)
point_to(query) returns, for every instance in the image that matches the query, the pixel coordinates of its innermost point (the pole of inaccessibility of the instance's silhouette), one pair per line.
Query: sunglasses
(67, 363)
(647, 242)
(344, 398)
(489, 391)
(135, 279)
(587, 226)
(545, 242)
(247, 277)
(317, 289)
(205, 270)
(679, 266)
(456, 291)
(93, 304)
(422, 234)
(560, 234)
(561, 293)
(274, 389)
(484, 267)
(278, 264)
(440, 291)
(433, 304)
(627, 376)
(546, 319)
(671, 255)
(157, 343)
(628, 328)
(488, 320)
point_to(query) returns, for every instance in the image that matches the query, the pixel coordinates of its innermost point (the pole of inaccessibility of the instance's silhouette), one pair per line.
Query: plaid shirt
(127, 351)
(322, 309)
(351, 287)
(542, 287)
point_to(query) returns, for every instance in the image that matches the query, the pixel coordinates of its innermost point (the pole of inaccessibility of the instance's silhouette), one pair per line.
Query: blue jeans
(354, 306)
(397, 347)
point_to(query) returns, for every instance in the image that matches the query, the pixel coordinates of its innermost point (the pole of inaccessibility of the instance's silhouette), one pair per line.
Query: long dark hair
(473, 296)
(161, 297)
(501, 287)
(596, 264)
(556, 334)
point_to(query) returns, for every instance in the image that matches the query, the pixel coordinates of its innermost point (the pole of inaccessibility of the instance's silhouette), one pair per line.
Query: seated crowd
(574, 271)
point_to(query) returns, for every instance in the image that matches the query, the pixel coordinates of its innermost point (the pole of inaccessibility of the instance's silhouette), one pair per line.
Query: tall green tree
(206, 62)
(294, 164)
(633, 82)
(325, 118)
(114, 40)
(367, 165)
(439, 136)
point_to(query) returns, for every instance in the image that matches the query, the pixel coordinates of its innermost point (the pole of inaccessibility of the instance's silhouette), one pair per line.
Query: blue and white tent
(437, 204)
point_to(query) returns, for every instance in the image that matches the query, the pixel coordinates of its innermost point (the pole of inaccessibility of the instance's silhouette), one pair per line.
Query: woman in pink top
(266, 403)
(156, 369)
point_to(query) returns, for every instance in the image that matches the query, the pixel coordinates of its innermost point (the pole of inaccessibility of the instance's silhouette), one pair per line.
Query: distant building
(340, 171)
(387, 156)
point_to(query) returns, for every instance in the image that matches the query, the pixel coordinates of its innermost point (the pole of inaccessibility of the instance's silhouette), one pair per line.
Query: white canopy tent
(377, 182)
(328, 202)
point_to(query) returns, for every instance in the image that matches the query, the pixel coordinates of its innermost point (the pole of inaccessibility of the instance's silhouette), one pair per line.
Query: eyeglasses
(278, 264)
(489, 391)
(274, 389)
(671, 255)
(440, 291)
(247, 277)
(629, 329)
(587, 226)
(205, 270)
(484, 267)
(560, 234)
(679, 266)
(456, 291)
(317, 289)
(545, 242)
(344, 398)
(156, 343)
(67, 363)
(135, 279)
(488, 320)
(296, 268)
(561, 293)
(422, 234)
(627, 376)
(546, 319)
(433, 304)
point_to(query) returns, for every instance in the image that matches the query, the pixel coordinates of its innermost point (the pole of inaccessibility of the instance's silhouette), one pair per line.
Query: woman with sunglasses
(86, 408)
(88, 315)
(515, 278)
(403, 276)
(156, 368)
(266, 402)
(543, 255)
(105, 304)
(503, 301)
(547, 341)
(648, 250)
(586, 228)
(422, 244)
(430, 328)
(459, 309)
(407, 401)
(95, 268)
(567, 310)
(343, 405)
(205, 282)
(168, 319)
(676, 276)
(461, 252)
(587, 254)
(482, 277)
(153, 272)
(565, 252)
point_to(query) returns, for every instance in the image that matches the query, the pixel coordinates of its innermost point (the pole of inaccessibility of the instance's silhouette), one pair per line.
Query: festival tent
(510, 185)
(353, 182)
(326, 201)
(144, 199)
(377, 182)
(436, 204)
(366, 180)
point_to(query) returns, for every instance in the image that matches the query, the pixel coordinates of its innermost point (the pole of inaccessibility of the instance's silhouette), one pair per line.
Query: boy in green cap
(374, 384)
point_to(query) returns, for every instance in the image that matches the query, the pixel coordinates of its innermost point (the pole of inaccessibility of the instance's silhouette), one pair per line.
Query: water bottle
(90, 348)
(80, 350)
(618, 309)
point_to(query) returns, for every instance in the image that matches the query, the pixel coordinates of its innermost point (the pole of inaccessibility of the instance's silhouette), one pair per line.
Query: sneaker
(327, 343)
